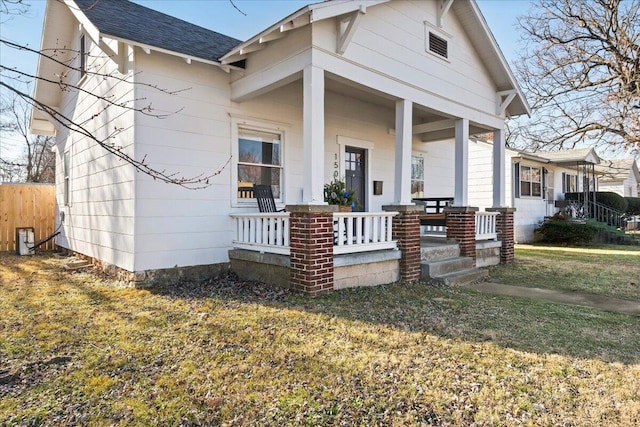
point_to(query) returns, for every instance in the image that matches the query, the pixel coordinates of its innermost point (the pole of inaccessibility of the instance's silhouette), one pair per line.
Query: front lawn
(606, 270)
(78, 350)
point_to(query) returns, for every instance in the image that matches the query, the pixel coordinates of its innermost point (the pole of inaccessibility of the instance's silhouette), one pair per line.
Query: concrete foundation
(160, 277)
(488, 253)
(268, 268)
(366, 269)
(350, 270)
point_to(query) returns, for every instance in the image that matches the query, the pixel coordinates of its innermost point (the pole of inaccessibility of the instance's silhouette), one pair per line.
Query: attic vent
(438, 45)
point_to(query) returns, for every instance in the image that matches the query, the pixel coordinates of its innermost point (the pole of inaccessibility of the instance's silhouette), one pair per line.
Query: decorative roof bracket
(346, 28)
(503, 104)
(445, 5)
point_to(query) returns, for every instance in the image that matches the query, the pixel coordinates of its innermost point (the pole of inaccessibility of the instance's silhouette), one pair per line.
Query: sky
(221, 16)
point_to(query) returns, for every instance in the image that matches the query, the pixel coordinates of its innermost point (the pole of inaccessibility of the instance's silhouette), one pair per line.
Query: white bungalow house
(536, 182)
(619, 176)
(337, 89)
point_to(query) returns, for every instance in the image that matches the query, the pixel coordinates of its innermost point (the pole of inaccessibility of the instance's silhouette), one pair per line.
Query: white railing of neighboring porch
(362, 231)
(353, 232)
(263, 232)
(434, 230)
(486, 225)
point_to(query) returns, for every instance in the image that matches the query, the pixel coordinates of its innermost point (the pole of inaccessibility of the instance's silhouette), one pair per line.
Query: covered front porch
(362, 249)
(360, 116)
(314, 247)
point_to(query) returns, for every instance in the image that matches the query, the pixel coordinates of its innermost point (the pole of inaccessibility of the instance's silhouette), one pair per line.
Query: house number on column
(336, 167)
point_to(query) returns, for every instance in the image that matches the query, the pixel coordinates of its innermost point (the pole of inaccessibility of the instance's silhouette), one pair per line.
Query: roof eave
(530, 156)
(316, 12)
(41, 123)
(275, 27)
(184, 56)
(95, 35)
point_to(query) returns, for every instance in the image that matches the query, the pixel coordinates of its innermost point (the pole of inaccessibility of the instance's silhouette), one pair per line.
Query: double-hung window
(259, 161)
(417, 176)
(530, 181)
(569, 183)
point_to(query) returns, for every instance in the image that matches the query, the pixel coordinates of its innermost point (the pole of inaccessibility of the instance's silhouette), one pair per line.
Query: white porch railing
(434, 230)
(263, 232)
(359, 231)
(486, 225)
(362, 231)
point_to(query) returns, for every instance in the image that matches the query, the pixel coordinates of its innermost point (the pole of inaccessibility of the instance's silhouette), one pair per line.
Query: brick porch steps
(441, 262)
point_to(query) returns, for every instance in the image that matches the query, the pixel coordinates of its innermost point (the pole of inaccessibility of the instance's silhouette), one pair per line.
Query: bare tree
(13, 80)
(37, 163)
(581, 70)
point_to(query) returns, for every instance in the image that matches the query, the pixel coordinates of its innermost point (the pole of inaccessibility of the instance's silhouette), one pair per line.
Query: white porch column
(499, 173)
(313, 136)
(404, 136)
(461, 195)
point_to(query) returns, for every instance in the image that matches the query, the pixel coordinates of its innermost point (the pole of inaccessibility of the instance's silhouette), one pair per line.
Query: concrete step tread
(462, 277)
(438, 267)
(447, 260)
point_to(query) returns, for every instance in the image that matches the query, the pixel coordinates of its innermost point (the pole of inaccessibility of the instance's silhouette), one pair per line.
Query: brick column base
(504, 228)
(406, 231)
(461, 226)
(311, 242)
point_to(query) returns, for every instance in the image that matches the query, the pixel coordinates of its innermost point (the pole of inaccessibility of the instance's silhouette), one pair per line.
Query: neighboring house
(337, 89)
(535, 181)
(619, 176)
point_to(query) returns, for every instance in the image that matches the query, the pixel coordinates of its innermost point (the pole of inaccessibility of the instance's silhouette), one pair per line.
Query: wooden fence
(26, 205)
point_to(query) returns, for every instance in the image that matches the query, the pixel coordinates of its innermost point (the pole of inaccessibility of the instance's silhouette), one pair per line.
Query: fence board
(26, 205)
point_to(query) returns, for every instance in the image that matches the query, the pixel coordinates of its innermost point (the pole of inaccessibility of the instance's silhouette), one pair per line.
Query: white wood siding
(99, 221)
(176, 226)
(439, 167)
(391, 40)
(276, 51)
(626, 188)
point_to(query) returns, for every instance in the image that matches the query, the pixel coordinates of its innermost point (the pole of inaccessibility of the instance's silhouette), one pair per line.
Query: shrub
(567, 232)
(607, 198)
(633, 205)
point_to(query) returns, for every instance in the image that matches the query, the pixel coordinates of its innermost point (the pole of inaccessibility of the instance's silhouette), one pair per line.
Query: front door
(355, 174)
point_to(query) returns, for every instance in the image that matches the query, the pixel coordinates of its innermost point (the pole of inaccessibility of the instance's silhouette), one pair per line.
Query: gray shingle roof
(127, 20)
(578, 154)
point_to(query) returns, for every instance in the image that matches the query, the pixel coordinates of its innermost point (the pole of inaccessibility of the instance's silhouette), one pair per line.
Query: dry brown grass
(77, 350)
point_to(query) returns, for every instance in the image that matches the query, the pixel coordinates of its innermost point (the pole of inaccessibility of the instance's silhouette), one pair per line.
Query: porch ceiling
(429, 124)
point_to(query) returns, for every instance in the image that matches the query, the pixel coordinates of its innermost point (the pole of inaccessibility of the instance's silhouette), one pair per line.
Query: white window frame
(421, 157)
(566, 183)
(258, 125)
(66, 177)
(531, 182)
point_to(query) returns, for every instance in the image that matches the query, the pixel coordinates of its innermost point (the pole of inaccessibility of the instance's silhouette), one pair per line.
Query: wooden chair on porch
(264, 196)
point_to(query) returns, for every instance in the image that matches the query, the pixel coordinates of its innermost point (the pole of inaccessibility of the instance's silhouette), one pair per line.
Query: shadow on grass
(517, 323)
(461, 314)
